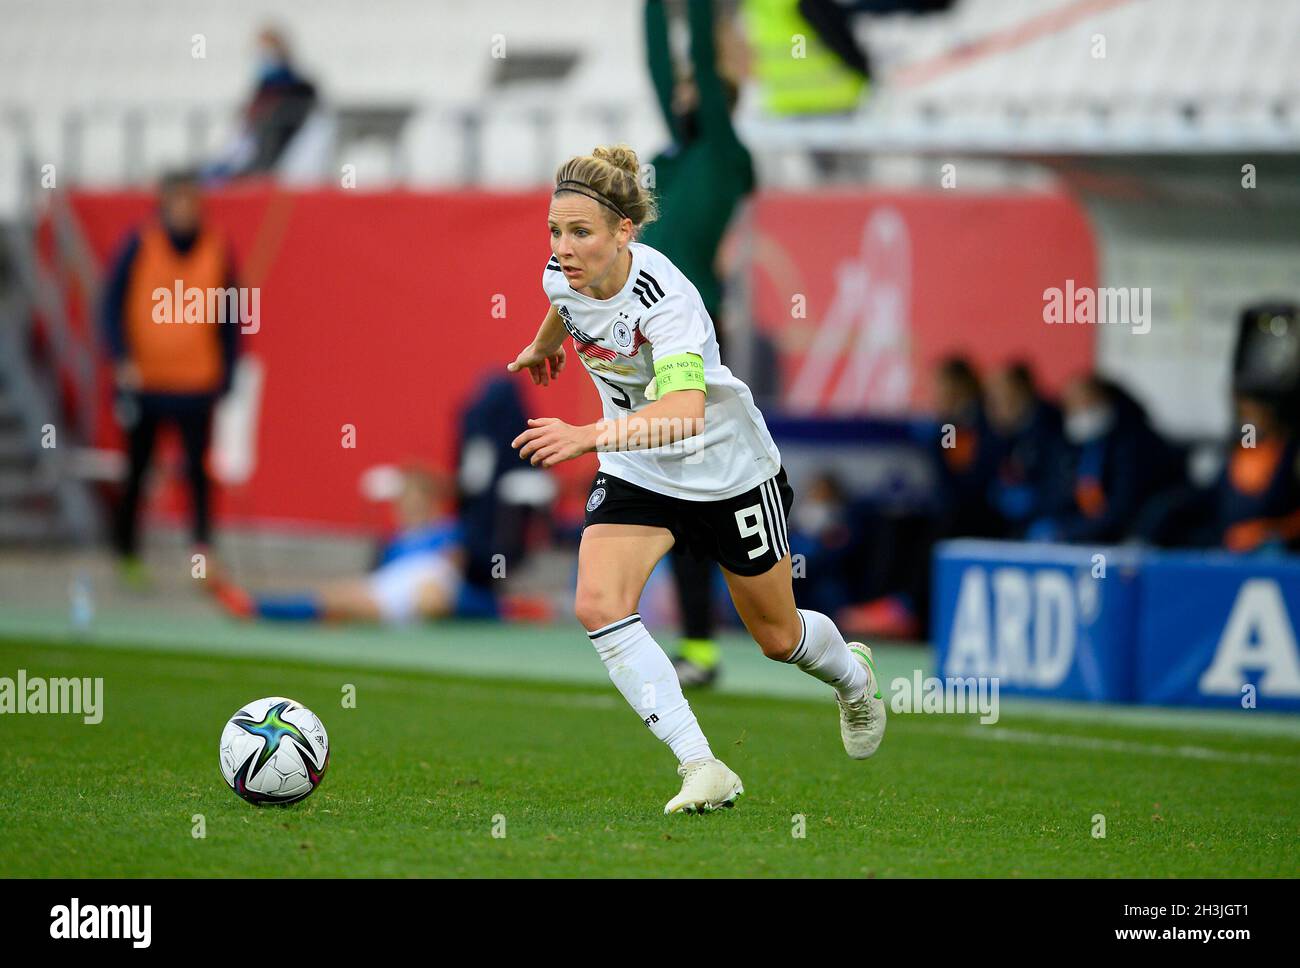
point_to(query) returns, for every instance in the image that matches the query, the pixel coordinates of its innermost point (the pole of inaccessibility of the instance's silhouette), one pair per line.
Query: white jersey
(659, 314)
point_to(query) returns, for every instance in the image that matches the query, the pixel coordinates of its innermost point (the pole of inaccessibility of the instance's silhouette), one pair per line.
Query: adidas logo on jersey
(647, 289)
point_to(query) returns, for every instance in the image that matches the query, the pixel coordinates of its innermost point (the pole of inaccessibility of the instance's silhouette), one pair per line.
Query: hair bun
(613, 172)
(620, 156)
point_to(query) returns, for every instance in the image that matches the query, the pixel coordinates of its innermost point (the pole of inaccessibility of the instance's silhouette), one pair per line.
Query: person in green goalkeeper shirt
(700, 179)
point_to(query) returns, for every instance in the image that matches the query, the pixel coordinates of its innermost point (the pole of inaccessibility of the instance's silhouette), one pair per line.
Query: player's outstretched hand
(549, 441)
(542, 367)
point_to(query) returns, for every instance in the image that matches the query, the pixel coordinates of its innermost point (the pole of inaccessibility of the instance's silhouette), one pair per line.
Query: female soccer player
(684, 457)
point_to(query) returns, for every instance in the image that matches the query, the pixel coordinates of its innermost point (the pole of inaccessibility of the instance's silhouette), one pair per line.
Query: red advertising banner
(863, 293)
(384, 313)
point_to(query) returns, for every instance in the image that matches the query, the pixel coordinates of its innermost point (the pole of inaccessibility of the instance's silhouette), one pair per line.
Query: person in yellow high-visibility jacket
(805, 57)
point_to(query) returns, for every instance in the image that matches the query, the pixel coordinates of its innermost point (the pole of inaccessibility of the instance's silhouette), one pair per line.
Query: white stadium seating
(112, 91)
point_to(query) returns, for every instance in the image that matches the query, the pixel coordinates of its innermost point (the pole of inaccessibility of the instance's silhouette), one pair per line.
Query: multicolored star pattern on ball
(272, 727)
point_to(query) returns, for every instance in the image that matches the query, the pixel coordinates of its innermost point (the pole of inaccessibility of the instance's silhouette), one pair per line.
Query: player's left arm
(676, 335)
(676, 415)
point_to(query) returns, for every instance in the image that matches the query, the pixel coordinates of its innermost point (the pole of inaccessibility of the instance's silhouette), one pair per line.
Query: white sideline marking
(1124, 746)
(1228, 722)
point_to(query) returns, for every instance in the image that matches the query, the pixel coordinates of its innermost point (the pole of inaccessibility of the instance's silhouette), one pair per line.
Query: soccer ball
(274, 751)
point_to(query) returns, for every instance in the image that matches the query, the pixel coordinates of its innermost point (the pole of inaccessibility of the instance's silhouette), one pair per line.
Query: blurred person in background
(419, 575)
(1258, 503)
(1254, 506)
(965, 456)
(966, 452)
(168, 369)
(1119, 464)
(700, 179)
(280, 104)
(831, 70)
(826, 77)
(808, 64)
(1032, 454)
(822, 529)
(491, 525)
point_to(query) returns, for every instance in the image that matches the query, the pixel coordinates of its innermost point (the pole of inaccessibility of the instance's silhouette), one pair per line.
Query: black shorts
(745, 534)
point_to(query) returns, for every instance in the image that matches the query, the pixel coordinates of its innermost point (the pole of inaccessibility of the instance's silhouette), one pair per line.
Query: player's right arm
(544, 356)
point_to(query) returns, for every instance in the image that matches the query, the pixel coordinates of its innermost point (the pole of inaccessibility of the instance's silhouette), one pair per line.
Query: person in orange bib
(1257, 501)
(171, 321)
(1253, 506)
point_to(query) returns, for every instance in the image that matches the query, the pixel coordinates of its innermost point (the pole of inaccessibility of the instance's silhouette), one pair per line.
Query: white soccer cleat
(706, 786)
(862, 721)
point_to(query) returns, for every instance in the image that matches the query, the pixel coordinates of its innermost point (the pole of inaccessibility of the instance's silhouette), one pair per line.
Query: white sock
(648, 681)
(822, 654)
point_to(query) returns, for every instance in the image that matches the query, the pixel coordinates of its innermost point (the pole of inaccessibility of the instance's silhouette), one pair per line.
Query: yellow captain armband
(685, 371)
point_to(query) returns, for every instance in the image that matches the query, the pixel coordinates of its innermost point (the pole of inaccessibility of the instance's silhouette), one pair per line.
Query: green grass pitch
(427, 766)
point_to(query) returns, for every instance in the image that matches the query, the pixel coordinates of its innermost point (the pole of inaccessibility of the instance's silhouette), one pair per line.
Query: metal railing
(192, 134)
